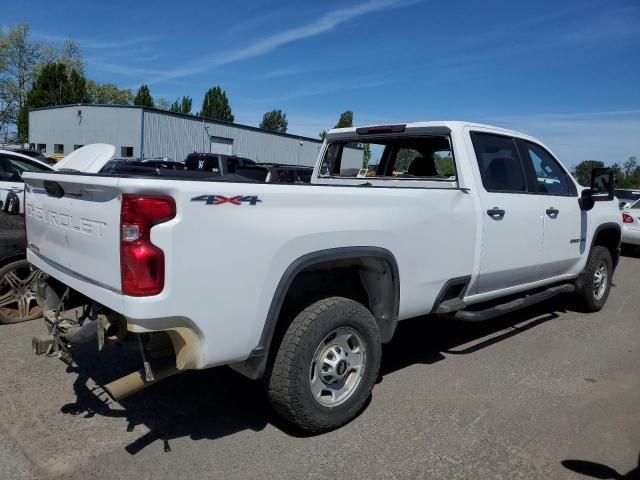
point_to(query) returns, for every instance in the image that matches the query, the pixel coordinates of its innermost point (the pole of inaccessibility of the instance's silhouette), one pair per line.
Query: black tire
(11, 298)
(589, 297)
(289, 381)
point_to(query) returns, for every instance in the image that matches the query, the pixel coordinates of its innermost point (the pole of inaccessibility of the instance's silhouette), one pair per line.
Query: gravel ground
(543, 393)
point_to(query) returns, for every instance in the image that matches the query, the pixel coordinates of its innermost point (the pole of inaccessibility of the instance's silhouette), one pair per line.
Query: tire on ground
(586, 292)
(288, 383)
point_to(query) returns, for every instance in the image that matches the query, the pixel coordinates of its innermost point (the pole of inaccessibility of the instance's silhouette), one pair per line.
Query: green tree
(323, 135)
(275, 120)
(582, 171)
(53, 86)
(630, 166)
(366, 155)
(216, 105)
(181, 106)
(77, 85)
(71, 57)
(20, 59)
(143, 98)
(346, 120)
(108, 94)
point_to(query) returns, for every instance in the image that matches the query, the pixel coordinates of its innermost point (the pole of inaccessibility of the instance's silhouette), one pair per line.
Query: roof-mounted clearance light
(399, 128)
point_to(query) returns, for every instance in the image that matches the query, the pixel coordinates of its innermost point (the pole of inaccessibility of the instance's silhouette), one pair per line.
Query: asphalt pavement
(545, 393)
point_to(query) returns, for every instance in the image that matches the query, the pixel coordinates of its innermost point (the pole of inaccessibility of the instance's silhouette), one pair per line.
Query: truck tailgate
(74, 226)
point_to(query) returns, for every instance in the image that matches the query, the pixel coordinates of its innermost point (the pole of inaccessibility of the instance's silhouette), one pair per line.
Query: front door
(565, 225)
(511, 222)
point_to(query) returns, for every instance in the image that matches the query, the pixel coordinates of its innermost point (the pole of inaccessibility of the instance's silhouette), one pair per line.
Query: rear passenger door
(511, 222)
(563, 241)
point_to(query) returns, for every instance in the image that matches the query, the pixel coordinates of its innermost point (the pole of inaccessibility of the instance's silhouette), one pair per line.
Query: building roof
(184, 115)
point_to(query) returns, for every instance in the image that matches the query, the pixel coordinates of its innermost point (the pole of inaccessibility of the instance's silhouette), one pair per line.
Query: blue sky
(566, 72)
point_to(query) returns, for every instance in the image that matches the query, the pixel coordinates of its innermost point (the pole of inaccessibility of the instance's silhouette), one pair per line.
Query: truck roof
(432, 125)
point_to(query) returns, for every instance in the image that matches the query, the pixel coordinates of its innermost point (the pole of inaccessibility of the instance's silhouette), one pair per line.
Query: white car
(302, 284)
(12, 166)
(88, 159)
(631, 225)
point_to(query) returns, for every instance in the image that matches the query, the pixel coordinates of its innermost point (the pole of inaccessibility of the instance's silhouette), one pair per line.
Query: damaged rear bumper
(164, 351)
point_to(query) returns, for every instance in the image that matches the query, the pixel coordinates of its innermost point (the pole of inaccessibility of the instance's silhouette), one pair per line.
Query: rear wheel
(18, 292)
(594, 283)
(326, 365)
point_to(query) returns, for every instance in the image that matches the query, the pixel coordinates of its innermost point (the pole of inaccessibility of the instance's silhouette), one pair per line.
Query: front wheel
(326, 366)
(594, 283)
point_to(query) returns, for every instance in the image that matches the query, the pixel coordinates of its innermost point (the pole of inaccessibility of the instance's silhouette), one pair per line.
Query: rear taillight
(626, 218)
(141, 262)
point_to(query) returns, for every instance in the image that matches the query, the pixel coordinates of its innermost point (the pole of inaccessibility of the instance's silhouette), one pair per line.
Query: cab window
(427, 157)
(499, 163)
(550, 177)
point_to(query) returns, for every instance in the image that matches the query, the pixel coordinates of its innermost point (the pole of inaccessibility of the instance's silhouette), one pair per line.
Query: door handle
(553, 212)
(496, 212)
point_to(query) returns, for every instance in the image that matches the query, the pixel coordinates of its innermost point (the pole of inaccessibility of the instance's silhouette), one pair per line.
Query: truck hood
(88, 159)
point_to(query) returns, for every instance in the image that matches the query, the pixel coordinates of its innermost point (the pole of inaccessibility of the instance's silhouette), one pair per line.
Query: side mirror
(602, 188)
(586, 200)
(12, 204)
(602, 184)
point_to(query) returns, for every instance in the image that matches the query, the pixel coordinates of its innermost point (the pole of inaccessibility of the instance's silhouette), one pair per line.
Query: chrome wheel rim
(18, 294)
(337, 367)
(600, 279)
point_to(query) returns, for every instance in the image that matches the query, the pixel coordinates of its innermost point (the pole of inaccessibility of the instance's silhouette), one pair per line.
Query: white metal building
(144, 132)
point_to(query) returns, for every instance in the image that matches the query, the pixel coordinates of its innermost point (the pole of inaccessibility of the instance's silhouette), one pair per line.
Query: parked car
(216, 163)
(262, 172)
(627, 196)
(631, 225)
(141, 165)
(276, 173)
(34, 154)
(17, 277)
(90, 158)
(12, 166)
(302, 286)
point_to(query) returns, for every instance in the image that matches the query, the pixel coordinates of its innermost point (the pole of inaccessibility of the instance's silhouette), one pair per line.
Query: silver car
(631, 225)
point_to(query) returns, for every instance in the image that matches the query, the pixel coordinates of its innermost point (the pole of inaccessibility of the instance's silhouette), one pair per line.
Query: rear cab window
(428, 159)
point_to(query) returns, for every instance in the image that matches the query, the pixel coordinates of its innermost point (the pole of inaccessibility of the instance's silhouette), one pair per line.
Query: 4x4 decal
(221, 199)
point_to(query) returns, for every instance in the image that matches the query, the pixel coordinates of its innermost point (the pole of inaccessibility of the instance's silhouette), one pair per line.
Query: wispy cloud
(95, 44)
(323, 88)
(323, 24)
(558, 31)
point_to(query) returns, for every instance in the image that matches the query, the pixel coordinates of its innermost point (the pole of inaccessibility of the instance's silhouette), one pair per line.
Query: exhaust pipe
(87, 332)
(134, 382)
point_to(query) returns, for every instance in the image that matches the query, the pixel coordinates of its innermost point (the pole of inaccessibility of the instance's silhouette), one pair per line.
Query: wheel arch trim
(254, 366)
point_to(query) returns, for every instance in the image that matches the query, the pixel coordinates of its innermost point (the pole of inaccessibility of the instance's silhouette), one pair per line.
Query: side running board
(513, 305)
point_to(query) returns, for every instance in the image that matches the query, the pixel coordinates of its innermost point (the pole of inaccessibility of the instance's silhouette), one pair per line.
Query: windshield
(21, 166)
(636, 206)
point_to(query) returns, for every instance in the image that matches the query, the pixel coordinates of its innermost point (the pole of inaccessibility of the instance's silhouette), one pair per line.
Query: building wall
(117, 126)
(176, 136)
(168, 135)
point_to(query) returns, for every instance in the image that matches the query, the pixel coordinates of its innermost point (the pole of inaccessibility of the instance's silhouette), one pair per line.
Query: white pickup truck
(301, 284)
